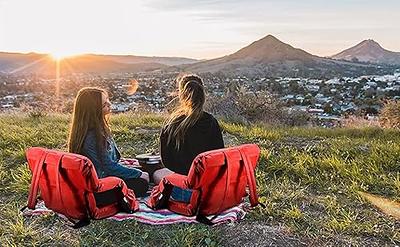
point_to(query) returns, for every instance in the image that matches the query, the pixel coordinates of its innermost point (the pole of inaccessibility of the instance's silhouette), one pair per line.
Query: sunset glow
(60, 55)
(195, 29)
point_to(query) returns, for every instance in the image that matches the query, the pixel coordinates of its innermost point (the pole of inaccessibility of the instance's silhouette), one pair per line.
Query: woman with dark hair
(90, 135)
(189, 130)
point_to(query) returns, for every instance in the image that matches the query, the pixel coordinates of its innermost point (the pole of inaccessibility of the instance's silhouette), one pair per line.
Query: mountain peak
(370, 43)
(369, 51)
(270, 38)
(268, 41)
(270, 49)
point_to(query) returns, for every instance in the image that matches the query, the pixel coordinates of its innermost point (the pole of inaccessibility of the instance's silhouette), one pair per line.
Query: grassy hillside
(309, 184)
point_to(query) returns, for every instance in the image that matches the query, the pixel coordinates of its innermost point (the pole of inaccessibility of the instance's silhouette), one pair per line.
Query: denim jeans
(181, 195)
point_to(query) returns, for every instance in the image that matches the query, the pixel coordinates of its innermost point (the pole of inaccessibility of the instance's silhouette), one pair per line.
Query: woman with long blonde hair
(189, 130)
(90, 135)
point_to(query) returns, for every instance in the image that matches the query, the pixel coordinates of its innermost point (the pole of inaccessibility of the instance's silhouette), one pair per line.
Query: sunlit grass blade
(387, 206)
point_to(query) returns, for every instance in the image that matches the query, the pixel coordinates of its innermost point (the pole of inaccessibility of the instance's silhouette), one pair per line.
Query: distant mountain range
(265, 57)
(170, 61)
(270, 56)
(87, 63)
(369, 51)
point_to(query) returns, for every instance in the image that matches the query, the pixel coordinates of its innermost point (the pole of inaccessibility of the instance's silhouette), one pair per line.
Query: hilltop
(309, 185)
(369, 51)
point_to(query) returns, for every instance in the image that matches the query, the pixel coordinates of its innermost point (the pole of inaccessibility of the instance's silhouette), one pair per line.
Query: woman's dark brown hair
(88, 115)
(189, 111)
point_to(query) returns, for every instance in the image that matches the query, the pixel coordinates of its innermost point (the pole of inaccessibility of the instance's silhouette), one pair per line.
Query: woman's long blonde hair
(191, 102)
(88, 115)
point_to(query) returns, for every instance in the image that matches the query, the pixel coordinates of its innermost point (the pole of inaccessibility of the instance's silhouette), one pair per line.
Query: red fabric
(218, 179)
(67, 182)
(129, 162)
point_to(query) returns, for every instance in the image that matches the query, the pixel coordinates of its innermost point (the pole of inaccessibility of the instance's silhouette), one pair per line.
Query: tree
(328, 108)
(370, 93)
(390, 114)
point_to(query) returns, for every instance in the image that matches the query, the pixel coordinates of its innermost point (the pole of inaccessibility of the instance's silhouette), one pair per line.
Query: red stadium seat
(217, 180)
(68, 185)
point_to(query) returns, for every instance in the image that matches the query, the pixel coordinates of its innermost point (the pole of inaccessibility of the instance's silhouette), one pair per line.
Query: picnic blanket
(160, 217)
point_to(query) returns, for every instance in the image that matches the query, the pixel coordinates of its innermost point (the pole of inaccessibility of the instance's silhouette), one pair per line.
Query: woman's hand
(145, 176)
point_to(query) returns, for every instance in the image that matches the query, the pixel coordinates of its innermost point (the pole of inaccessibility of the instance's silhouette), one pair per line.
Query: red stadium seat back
(68, 183)
(221, 176)
(217, 179)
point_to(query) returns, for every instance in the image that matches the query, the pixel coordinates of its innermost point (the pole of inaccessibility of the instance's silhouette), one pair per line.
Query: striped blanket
(159, 217)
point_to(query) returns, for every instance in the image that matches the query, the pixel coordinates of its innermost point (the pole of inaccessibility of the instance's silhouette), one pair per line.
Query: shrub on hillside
(35, 110)
(354, 121)
(242, 106)
(390, 114)
(40, 109)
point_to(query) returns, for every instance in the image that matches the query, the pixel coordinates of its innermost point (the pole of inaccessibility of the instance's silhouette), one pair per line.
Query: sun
(60, 55)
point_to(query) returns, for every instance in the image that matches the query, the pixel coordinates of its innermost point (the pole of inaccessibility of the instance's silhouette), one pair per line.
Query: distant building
(119, 107)
(7, 106)
(315, 110)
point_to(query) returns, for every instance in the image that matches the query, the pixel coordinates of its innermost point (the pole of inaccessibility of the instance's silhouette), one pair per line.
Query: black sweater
(205, 135)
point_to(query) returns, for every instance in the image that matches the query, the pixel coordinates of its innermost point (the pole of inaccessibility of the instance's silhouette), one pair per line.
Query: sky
(199, 29)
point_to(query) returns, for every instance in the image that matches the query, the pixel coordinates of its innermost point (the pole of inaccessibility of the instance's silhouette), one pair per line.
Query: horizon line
(182, 57)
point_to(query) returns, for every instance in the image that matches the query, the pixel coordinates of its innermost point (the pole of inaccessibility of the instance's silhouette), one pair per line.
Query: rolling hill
(87, 63)
(369, 51)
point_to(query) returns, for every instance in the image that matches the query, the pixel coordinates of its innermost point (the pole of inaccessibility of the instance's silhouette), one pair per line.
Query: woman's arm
(121, 171)
(104, 162)
(89, 150)
(165, 151)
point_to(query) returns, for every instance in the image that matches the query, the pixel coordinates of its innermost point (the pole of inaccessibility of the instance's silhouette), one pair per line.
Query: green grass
(308, 179)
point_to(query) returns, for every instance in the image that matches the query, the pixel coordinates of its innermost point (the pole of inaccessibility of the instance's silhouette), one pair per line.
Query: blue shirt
(110, 158)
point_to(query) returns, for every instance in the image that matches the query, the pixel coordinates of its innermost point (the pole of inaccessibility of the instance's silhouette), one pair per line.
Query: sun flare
(59, 55)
